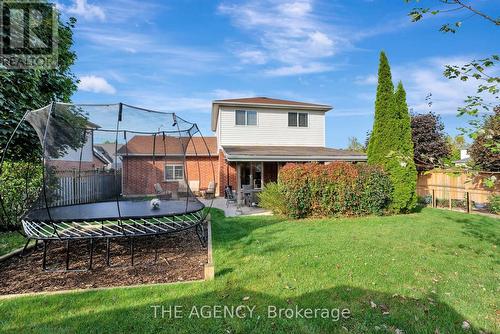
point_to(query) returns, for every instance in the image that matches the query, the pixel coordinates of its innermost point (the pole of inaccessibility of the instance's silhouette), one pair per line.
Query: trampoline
(108, 171)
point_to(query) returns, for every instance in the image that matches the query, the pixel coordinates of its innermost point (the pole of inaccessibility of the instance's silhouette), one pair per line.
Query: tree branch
(489, 18)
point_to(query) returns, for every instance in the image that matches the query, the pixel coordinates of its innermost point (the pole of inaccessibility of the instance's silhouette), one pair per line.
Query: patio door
(250, 174)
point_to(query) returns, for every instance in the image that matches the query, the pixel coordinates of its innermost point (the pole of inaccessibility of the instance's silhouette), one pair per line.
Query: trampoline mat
(109, 210)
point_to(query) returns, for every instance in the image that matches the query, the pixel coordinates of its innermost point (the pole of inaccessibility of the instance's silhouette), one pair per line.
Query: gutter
(278, 158)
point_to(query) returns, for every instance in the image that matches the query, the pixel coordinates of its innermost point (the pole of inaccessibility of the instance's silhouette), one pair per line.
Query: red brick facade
(227, 175)
(141, 173)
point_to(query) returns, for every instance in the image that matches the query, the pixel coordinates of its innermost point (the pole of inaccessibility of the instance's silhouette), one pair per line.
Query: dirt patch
(180, 258)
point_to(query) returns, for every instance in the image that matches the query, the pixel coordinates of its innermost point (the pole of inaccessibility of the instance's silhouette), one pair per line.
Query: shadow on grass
(131, 310)
(480, 227)
(228, 230)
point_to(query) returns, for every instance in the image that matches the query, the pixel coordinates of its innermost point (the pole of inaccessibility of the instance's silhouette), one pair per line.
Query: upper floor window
(299, 119)
(174, 172)
(246, 117)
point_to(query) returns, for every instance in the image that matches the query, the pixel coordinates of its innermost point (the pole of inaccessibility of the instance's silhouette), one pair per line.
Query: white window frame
(174, 167)
(297, 119)
(246, 117)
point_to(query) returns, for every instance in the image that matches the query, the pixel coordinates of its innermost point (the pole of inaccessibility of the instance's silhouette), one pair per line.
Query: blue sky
(180, 55)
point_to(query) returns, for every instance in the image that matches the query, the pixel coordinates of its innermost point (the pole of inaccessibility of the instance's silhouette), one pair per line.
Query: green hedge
(20, 184)
(336, 189)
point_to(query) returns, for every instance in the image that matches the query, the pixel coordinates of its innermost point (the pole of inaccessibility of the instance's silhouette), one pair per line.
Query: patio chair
(162, 194)
(210, 191)
(230, 198)
(194, 186)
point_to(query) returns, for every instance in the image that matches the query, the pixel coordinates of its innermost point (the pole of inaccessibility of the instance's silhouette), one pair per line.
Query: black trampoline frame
(48, 231)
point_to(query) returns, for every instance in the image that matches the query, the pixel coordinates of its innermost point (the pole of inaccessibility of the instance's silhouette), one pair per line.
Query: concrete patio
(235, 210)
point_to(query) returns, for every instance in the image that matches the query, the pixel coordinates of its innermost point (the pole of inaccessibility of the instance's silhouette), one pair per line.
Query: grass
(10, 241)
(431, 270)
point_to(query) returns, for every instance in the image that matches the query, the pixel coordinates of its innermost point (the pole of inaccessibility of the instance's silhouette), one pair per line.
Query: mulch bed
(180, 258)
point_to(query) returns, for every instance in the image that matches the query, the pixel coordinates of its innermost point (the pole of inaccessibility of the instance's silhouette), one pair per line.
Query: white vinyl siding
(271, 128)
(174, 172)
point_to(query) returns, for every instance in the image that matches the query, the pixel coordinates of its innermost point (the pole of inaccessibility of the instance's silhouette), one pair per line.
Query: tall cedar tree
(29, 89)
(390, 142)
(485, 150)
(402, 165)
(429, 141)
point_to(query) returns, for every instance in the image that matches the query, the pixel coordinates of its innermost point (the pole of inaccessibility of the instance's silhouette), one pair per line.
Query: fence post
(449, 199)
(469, 204)
(433, 198)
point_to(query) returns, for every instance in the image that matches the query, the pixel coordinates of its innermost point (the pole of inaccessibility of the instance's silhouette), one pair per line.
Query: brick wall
(225, 170)
(141, 173)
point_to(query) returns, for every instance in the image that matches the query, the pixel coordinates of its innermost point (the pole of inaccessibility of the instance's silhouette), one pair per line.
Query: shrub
(20, 184)
(495, 204)
(272, 197)
(336, 189)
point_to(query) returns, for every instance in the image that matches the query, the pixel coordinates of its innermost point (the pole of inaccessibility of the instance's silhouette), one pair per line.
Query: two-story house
(254, 137)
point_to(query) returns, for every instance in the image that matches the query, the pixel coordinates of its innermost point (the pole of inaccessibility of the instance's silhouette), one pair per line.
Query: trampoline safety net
(108, 170)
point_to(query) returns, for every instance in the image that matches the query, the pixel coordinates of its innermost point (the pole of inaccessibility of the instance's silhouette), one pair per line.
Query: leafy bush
(495, 204)
(272, 197)
(20, 184)
(336, 189)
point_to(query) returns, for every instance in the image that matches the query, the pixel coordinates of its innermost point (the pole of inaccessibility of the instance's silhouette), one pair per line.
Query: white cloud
(81, 8)
(288, 35)
(252, 57)
(220, 94)
(426, 76)
(95, 84)
(299, 69)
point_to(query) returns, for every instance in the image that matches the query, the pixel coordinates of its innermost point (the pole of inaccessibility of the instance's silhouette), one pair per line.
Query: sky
(180, 55)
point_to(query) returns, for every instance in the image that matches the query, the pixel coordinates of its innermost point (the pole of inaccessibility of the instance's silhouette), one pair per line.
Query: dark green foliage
(429, 141)
(20, 184)
(485, 150)
(495, 204)
(391, 143)
(23, 90)
(272, 197)
(380, 143)
(336, 189)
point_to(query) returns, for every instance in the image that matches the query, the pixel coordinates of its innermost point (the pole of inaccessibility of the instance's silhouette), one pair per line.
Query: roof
(262, 102)
(290, 153)
(109, 148)
(141, 145)
(102, 155)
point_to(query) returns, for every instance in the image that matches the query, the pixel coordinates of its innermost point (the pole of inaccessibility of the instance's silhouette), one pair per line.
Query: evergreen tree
(391, 142)
(402, 167)
(379, 144)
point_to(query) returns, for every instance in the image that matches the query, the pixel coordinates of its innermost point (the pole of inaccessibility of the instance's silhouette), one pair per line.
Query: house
(464, 158)
(85, 158)
(147, 160)
(256, 136)
(107, 150)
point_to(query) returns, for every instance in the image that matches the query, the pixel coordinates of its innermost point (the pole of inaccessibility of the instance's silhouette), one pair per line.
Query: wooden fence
(457, 191)
(86, 187)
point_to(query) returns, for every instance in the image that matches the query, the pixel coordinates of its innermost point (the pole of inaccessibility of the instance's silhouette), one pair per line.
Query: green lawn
(431, 271)
(10, 241)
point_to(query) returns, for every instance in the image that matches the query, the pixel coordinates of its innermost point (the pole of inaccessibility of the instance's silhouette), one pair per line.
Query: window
(298, 119)
(245, 117)
(174, 172)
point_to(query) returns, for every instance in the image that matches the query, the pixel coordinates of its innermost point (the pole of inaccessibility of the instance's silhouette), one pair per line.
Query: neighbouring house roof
(263, 102)
(168, 146)
(102, 155)
(290, 153)
(109, 148)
